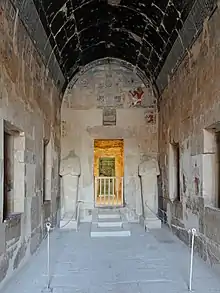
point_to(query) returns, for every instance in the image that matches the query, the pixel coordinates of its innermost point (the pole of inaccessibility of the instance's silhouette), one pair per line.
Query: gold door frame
(110, 148)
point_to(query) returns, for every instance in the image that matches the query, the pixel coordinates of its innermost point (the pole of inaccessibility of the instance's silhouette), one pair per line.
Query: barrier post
(191, 259)
(48, 288)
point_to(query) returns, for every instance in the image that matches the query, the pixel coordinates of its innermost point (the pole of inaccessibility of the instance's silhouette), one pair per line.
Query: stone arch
(82, 115)
(124, 64)
(138, 75)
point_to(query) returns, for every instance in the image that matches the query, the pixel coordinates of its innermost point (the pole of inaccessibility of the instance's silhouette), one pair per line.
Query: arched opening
(107, 103)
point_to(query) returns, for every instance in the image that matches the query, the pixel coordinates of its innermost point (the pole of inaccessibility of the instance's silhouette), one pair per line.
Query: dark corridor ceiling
(140, 32)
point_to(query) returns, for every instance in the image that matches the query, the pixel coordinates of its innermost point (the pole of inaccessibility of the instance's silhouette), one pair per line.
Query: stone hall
(109, 146)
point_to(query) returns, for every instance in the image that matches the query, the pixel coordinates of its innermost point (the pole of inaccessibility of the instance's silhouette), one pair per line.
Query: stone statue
(70, 171)
(70, 165)
(148, 171)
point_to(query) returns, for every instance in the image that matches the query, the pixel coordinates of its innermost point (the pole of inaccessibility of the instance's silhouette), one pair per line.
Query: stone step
(122, 233)
(108, 210)
(109, 224)
(109, 216)
(109, 220)
(109, 232)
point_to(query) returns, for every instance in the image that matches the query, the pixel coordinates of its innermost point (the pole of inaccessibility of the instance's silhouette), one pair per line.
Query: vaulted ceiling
(141, 32)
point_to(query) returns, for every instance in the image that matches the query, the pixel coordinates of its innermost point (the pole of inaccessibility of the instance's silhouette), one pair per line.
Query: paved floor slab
(143, 263)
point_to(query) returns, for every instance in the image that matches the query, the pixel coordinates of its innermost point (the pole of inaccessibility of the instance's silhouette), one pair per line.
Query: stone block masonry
(29, 106)
(189, 115)
(107, 102)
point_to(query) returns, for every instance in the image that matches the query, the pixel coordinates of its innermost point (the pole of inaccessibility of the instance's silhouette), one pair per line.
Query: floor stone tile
(142, 263)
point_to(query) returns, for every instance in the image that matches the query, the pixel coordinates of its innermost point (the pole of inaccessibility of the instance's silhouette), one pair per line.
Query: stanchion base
(47, 290)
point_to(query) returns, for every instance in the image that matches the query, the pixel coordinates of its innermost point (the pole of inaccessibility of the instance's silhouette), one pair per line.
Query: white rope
(162, 218)
(74, 216)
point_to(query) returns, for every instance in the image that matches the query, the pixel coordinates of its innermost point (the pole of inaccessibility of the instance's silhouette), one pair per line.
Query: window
(14, 170)
(107, 166)
(46, 170)
(8, 174)
(174, 171)
(211, 166)
(218, 168)
(177, 162)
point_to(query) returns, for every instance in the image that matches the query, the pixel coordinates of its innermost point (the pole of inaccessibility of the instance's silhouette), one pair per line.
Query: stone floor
(149, 262)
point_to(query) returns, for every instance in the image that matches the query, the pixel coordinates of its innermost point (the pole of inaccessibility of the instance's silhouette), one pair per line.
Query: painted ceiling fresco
(139, 32)
(109, 86)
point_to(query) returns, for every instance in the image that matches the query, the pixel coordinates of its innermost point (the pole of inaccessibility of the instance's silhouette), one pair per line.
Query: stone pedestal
(70, 190)
(69, 171)
(148, 171)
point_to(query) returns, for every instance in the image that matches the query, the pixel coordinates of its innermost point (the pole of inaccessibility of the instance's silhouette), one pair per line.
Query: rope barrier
(75, 216)
(193, 236)
(192, 233)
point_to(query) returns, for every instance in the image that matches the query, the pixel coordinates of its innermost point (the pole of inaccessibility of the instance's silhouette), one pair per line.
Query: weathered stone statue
(148, 171)
(70, 171)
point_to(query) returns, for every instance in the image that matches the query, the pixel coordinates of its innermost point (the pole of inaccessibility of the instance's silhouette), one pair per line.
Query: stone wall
(189, 115)
(29, 104)
(103, 93)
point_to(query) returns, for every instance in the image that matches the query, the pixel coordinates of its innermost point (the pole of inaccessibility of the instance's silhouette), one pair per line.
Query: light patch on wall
(114, 2)
(136, 37)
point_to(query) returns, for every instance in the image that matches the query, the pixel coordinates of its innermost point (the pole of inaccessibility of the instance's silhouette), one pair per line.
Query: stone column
(148, 171)
(70, 171)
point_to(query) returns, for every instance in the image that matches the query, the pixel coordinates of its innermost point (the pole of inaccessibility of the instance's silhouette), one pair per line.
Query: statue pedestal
(70, 197)
(70, 172)
(70, 189)
(148, 171)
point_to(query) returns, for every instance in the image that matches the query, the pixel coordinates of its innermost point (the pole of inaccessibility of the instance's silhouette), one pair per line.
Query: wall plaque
(109, 116)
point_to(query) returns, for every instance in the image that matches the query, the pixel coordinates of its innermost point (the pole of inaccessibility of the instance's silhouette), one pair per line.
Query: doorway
(108, 172)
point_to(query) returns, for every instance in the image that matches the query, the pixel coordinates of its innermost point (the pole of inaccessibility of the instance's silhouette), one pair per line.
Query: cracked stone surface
(145, 262)
(148, 36)
(139, 32)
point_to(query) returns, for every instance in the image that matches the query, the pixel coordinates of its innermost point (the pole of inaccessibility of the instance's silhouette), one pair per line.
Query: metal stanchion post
(163, 212)
(48, 288)
(191, 259)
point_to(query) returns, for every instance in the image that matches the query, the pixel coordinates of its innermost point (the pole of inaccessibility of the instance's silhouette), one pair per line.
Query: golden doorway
(108, 172)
